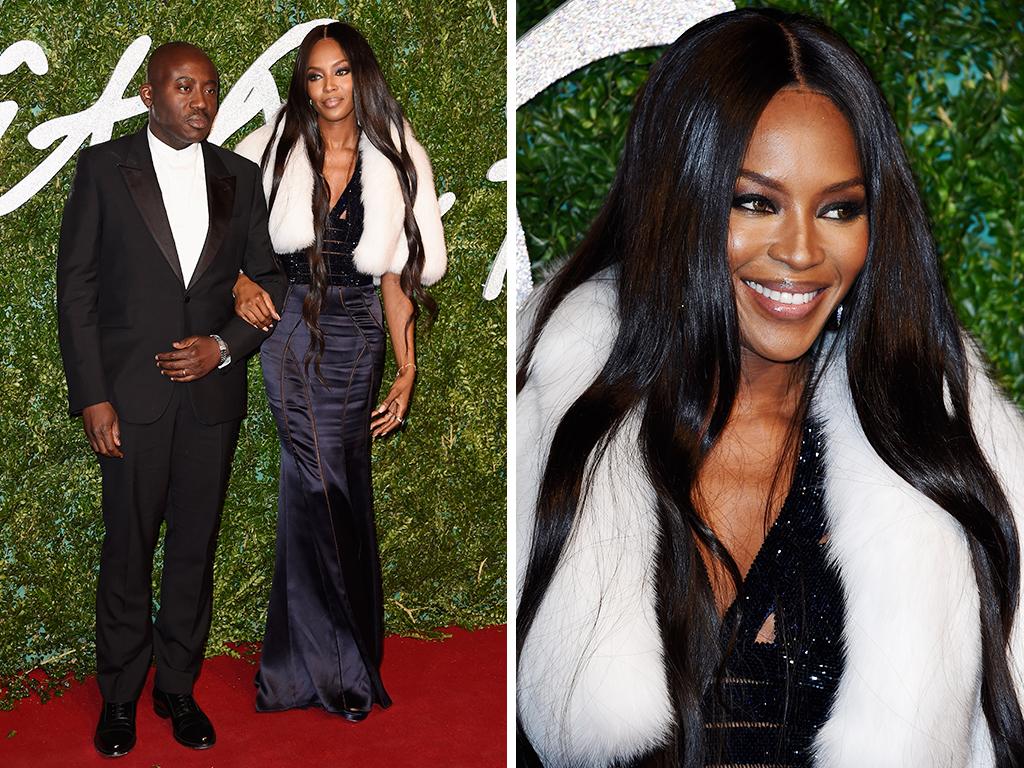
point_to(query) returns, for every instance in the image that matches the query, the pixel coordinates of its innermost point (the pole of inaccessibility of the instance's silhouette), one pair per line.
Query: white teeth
(781, 296)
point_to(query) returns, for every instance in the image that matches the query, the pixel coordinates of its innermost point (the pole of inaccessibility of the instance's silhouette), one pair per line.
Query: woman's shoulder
(252, 146)
(594, 300)
(580, 331)
(998, 424)
(413, 145)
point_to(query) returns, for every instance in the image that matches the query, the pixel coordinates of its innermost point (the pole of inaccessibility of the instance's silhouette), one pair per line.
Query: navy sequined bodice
(344, 228)
(775, 696)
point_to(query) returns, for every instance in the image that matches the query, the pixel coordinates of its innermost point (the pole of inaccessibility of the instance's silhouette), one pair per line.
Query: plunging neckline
(344, 192)
(772, 696)
(802, 477)
(757, 565)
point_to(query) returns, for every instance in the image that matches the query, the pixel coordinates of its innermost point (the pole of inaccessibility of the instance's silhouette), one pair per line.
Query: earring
(839, 316)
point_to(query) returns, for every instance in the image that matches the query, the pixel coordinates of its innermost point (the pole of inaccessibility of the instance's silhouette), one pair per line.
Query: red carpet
(449, 710)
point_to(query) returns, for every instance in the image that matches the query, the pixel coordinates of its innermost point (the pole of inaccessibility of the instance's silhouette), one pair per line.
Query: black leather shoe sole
(162, 711)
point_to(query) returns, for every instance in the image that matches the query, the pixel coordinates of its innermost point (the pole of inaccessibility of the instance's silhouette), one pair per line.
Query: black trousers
(174, 469)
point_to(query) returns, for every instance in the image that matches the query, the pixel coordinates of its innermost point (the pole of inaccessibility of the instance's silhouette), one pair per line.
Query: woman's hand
(253, 304)
(390, 414)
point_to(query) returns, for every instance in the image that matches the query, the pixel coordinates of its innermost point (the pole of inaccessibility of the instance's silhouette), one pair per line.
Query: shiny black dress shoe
(115, 732)
(354, 715)
(191, 727)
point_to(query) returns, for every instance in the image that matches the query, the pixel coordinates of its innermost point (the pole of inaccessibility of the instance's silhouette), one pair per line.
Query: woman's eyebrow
(335, 64)
(761, 179)
(855, 181)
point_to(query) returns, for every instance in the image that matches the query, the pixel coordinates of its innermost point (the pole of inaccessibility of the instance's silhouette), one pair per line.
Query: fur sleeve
(566, 360)
(910, 692)
(428, 218)
(999, 427)
(591, 684)
(383, 247)
(291, 219)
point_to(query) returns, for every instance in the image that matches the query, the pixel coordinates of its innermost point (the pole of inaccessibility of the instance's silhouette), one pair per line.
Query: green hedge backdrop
(953, 74)
(440, 485)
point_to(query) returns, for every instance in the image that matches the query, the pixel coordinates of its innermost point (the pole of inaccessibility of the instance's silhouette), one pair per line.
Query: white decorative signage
(581, 32)
(497, 172)
(254, 92)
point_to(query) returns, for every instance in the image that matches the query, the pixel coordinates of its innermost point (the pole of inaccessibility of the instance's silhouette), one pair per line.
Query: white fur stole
(382, 247)
(592, 689)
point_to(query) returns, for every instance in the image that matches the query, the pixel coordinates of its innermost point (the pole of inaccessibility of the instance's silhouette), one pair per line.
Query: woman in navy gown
(352, 203)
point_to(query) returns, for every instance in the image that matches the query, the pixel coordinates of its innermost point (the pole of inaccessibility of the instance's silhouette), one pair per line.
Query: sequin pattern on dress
(341, 235)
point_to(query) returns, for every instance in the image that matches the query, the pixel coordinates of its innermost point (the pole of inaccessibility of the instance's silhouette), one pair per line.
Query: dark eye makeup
(842, 210)
(310, 76)
(753, 203)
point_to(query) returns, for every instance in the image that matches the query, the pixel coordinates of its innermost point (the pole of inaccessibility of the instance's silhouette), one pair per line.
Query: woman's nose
(797, 244)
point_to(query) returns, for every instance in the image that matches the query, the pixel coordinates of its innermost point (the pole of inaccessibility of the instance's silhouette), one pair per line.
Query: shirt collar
(168, 155)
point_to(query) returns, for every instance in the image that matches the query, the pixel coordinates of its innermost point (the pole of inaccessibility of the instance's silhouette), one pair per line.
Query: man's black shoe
(191, 727)
(115, 732)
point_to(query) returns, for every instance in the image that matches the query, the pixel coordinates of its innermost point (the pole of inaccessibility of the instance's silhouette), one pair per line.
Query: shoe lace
(119, 710)
(182, 704)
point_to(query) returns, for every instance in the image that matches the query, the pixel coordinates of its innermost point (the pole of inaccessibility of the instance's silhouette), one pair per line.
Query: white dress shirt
(181, 174)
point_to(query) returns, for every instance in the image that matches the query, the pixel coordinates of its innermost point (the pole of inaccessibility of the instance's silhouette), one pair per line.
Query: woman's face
(329, 81)
(798, 228)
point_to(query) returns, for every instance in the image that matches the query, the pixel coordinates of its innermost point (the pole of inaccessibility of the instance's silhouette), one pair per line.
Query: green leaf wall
(440, 485)
(953, 74)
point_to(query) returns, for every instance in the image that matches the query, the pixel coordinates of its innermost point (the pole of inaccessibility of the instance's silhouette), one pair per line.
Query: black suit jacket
(120, 294)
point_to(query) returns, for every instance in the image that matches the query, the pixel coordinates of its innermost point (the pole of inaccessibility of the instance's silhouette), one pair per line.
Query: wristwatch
(225, 355)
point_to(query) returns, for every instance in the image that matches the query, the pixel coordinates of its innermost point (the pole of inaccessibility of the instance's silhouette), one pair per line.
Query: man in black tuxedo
(155, 231)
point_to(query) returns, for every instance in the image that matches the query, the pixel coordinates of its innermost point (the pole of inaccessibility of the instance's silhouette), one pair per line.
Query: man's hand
(102, 429)
(192, 358)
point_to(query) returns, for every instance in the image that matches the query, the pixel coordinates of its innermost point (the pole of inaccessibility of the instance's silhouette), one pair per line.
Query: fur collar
(383, 247)
(591, 682)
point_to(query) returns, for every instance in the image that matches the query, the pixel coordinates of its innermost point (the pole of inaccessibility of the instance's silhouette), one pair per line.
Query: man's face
(182, 97)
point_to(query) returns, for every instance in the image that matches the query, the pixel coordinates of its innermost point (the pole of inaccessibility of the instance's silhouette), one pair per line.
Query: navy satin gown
(324, 636)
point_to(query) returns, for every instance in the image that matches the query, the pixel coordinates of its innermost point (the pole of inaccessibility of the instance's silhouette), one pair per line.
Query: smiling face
(329, 81)
(181, 95)
(798, 228)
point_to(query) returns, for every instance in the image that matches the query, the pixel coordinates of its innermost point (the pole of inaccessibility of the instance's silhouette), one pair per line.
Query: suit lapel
(140, 177)
(220, 195)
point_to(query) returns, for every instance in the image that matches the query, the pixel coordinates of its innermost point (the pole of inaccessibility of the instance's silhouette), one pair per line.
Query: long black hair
(380, 116)
(676, 357)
